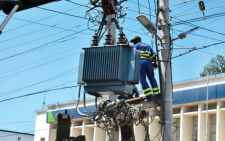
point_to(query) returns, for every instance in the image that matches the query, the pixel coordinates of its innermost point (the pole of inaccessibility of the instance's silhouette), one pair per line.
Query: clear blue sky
(22, 71)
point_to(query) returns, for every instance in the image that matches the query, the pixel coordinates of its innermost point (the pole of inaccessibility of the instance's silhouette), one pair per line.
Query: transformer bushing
(122, 40)
(108, 39)
(95, 40)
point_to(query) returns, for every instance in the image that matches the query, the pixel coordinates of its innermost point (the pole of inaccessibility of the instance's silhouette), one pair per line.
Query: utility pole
(166, 79)
(112, 134)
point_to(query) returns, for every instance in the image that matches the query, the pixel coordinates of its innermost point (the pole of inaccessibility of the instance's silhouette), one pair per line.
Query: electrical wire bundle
(111, 115)
(98, 12)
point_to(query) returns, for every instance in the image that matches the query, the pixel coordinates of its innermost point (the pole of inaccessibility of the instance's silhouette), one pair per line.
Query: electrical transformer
(109, 70)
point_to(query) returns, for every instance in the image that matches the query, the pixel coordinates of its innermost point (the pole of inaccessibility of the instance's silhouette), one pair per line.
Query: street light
(150, 26)
(184, 34)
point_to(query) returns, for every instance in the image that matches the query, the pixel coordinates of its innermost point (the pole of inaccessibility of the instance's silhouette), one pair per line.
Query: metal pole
(8, 18)
(112, 134)
(207, 104)
(166, 79)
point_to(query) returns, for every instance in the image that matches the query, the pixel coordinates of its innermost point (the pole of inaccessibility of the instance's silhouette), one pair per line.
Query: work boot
(157, 96)
(149, 97)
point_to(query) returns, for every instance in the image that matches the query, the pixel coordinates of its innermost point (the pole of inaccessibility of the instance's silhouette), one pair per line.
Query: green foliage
(212, 67)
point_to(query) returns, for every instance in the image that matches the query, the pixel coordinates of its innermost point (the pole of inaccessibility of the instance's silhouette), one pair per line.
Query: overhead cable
(200, 18)
(42, 30)
(42, 59)
(141, 5)
(35, 93)
(198, 35)
(47, 63)
(197, 49)
(181, 3)
(193, 25)
(24, 133)
(62, 13)
(49, 79)
(36, 22)
(43, 46)
(198, 11)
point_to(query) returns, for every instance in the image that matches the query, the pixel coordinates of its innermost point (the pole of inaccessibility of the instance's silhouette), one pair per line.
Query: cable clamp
(163, 8)
(168, 100)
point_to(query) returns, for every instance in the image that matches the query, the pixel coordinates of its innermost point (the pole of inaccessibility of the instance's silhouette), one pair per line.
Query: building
(6, 135)
(189, 115)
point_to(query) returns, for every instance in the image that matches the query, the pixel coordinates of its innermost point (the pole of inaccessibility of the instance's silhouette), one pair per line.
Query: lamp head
(150, 26)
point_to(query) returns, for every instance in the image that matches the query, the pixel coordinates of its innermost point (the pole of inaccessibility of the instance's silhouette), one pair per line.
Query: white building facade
(6, 135)
(189, 115)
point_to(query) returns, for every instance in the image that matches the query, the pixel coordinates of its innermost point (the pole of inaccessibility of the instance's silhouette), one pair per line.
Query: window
(195, 129)
(42, 139)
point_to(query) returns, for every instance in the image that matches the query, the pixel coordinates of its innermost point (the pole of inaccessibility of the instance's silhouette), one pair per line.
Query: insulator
(201, 5)
(95, 40)
(122, 40)
(108, 39)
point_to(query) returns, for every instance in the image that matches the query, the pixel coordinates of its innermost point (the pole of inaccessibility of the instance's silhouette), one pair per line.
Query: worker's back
(145, 49)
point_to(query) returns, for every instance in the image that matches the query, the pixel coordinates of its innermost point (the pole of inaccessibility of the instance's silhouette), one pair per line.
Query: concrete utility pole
(112, 135)
(166, 79)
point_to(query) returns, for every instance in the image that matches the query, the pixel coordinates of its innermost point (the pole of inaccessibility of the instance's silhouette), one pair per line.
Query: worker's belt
(142, 57)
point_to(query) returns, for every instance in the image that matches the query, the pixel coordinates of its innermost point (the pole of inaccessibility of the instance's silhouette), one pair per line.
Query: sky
(55, 65)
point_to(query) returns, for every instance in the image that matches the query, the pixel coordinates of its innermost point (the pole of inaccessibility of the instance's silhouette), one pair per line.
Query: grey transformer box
(107, 70)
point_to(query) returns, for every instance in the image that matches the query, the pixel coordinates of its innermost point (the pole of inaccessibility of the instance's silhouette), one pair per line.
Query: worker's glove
(154, 65)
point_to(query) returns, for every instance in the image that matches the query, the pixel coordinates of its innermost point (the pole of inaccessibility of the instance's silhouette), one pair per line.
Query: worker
(146, 68)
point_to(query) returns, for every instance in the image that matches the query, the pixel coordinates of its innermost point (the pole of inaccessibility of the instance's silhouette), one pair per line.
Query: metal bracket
(164, 8)
(169, 122)
(168, 100)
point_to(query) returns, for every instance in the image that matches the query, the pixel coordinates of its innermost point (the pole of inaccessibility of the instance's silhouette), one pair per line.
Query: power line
(44, 46)
(197, 49)
(30, 94)
(181, 3)
(207, 52)
(40, 65)
(16, 122)
(45, 38)
(136, 32)
(36, 22)
(200, 18)
(193, 25)
(140, 5)
(49, 79)
(41, 59)
(24, 133)
(199, 11)
(62, 13)
(90, 7)
(199, 35)
(215, 19)
(175, 30)
(189, 8)
(42, 30)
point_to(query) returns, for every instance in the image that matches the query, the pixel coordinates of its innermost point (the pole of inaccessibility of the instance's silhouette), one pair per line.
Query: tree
(212, 67)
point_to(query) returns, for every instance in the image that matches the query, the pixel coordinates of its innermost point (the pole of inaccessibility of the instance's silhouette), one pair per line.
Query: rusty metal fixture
(109, 7)
(122, 40)
(95, 40)
(108, 39)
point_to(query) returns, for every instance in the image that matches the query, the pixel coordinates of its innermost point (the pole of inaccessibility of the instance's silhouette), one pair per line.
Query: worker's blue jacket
(146, 50)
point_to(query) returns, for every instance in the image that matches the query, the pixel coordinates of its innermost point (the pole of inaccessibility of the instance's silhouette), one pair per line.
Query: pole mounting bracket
(169, 122)
(168, 100)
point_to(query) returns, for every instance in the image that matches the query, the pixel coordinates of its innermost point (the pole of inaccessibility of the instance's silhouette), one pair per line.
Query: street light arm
(184, 34)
